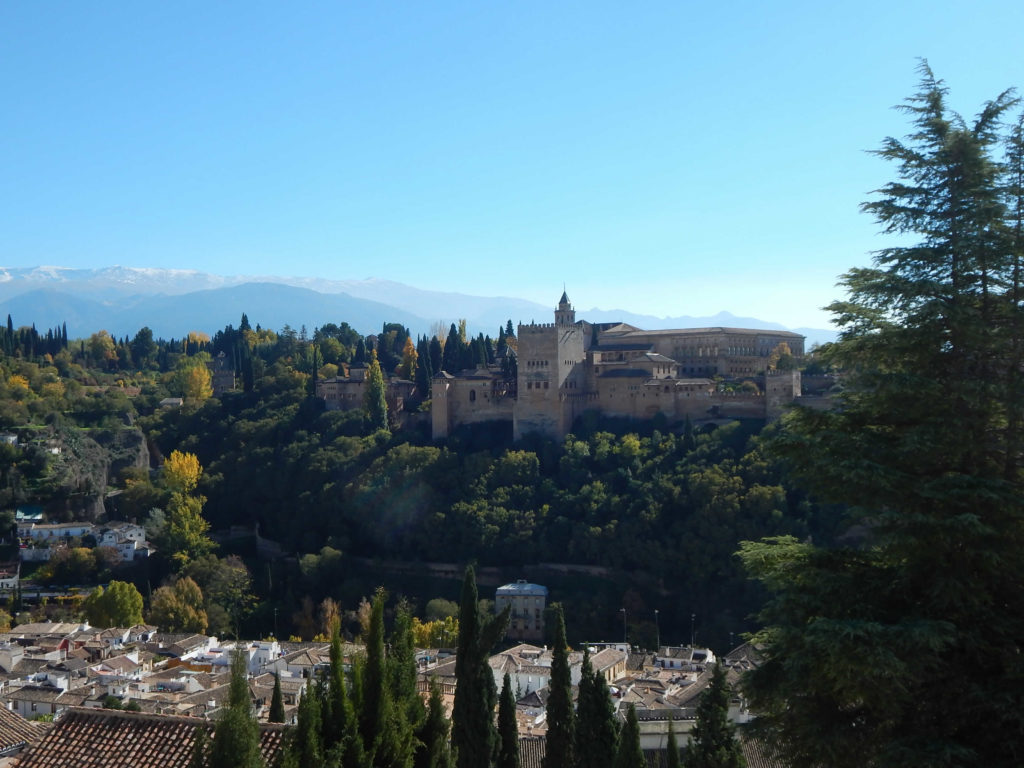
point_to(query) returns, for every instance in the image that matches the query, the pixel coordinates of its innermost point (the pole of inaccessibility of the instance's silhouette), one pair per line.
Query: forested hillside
(657, 511)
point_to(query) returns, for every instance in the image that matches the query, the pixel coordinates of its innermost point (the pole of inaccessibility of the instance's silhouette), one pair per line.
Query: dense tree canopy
(864, 642)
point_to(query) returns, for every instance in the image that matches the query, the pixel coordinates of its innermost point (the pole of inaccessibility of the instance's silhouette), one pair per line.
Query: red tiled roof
(91, 738)
(16, 731)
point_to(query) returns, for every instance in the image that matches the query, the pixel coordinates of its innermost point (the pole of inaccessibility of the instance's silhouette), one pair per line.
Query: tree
(186, 536)
(305, 747)
(712, 742)
(474, 736)
(236, 737)
(672, 751)
(120, 605)
(181, 472)
(407, 367)
(434, 750)
(560, 717)
(508, 728)
(179, 607)
(862, 641)
(276, 702)
(629, 754)
(374, 400)
(596, 727)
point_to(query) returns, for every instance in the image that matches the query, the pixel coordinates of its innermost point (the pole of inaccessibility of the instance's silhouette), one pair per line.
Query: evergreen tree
(436, 355)
(341, 737)
(200, 748)
(453, 357)
(433, 750)
(305, 746)
(712, 742)
(629, 754)
(560, 718)
(596, 728)
(359, 358)
(424, 373)
(276, 702)
(672, 752)
(374, 400)
(864, 642)
(508, 728)
(236, 737)
(473, 733)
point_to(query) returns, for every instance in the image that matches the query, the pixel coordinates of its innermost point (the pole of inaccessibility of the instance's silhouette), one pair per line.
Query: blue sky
(673, 158)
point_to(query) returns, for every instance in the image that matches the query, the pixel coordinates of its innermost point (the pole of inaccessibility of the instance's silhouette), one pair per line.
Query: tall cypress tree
(374, 399)
(712, 742)
(433, 750)
(305, 744)
(629, 754)
(672, 752)
(236, 737)
(560, 719)
(276, 702)
(508, 729)
(474, 736)
(597, 730)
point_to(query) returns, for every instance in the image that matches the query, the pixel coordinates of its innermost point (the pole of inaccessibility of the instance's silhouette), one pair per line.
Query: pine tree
(597, 730)
(236, 737)
(374, 400)
(276, 702)
(508, 728)
(629, 754)
(560, 717)
(864, 642)
(474, 736)
(424, 373)
(712, 741)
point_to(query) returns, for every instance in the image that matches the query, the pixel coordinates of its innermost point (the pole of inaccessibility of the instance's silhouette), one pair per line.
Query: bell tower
(565, 314)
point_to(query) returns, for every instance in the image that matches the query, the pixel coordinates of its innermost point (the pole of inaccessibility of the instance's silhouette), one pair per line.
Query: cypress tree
(712, 742)
(436, 355)
(276, 702)
(424, 372)
(672, 753)
(200, 748)
(236, 737)
(453, 357)
(508, 729)
(305, 745)
(597, 730)
(374, 400)
(474, 736)
(629, 754)
(433, 750)
(560, 718)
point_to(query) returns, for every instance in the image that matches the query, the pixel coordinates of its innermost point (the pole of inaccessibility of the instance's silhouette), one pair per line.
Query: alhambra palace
(571, 366)
(563, 369)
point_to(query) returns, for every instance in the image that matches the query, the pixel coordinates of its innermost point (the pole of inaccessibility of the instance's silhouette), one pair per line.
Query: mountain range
(172, 302)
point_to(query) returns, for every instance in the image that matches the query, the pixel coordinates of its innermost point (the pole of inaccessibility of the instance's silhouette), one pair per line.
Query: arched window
(472, 395)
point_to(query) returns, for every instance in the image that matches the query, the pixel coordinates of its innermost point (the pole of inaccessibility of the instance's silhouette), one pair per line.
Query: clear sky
(664, 157)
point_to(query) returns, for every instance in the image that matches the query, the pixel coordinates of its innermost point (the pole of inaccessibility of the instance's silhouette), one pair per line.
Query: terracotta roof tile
(89, 738)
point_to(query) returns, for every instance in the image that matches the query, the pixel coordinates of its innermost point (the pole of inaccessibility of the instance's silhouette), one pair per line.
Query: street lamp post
(625, 632)
(693, 634)
(657, 633)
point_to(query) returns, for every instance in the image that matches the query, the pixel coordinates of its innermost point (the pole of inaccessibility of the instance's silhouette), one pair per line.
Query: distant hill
(173, 302)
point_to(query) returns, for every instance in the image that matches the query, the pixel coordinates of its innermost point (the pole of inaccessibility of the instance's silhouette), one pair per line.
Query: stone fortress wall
(568, 367)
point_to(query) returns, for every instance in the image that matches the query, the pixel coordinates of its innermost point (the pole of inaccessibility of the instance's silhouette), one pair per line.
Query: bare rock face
(83, 463)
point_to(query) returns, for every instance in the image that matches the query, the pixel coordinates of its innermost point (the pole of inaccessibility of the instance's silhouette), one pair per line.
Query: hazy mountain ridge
(173, 302)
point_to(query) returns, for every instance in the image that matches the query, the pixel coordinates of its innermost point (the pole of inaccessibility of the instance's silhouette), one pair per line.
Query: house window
(472, 395)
